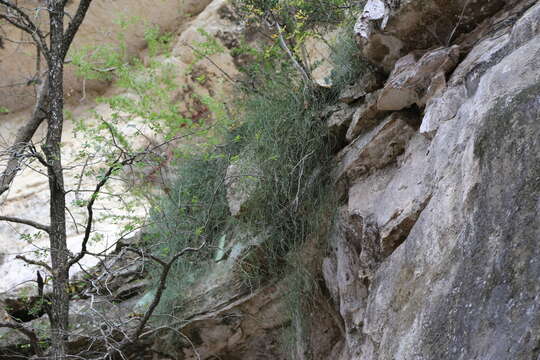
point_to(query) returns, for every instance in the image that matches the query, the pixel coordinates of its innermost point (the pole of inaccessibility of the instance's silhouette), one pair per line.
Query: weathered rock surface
(241, 180)
(454, 269)
(318, 53)
(342, 272)
(389, 29)
(375, 149)
(339, 120)
(368, 82)
(415, 81)
(487, 52)
(365, 117)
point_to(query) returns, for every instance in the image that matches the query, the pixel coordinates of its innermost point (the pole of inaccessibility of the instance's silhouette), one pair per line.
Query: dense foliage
(281, 143)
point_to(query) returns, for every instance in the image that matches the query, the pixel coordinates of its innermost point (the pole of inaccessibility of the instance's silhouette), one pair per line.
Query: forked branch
(22, 21)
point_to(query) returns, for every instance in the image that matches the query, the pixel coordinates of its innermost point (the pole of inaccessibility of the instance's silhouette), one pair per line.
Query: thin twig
(296, 64)
(35, 262)
(458, 23)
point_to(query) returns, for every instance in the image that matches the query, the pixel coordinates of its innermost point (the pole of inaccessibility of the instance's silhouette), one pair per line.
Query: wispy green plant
(277, 130)
(281, 134)
(157, 41)
(192, 210)
(146, 108)
(346, 59)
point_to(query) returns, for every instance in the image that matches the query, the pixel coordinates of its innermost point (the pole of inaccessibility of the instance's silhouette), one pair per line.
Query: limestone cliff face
(441, 224)
(434, 251)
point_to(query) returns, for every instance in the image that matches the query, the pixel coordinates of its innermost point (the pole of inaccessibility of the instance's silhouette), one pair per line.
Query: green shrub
(192, 210)
(346, 58)
(281, 133)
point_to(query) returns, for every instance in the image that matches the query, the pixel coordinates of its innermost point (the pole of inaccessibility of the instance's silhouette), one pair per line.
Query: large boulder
(375, 149)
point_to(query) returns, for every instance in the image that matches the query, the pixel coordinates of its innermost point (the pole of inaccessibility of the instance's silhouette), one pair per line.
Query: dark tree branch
(28, 26)
(131, 339)
(23, 137)
(38, 156)
(117, 164)
(161, 287)
(40, 283)
(34, 262)
(150, 256)
(28, 30)
(75, 24)
(25, 222)
(90, 207)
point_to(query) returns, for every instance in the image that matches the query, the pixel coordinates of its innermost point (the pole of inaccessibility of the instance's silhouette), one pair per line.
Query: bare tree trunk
(50, 105)
(59, 252)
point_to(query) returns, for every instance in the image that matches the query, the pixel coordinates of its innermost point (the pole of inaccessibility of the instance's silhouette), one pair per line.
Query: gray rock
(415, 81)
(463, 283)
(486, 53)
(365, 117)
(241, 180)
(368, 82)
(375, 149)
(340, 119)
(444, 236)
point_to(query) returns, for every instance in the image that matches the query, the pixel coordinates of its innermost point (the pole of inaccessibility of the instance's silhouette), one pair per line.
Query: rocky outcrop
(367, 83)
(375, 149)
(450, 269)
(390, 29)
(414, 81)
(365, 116)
